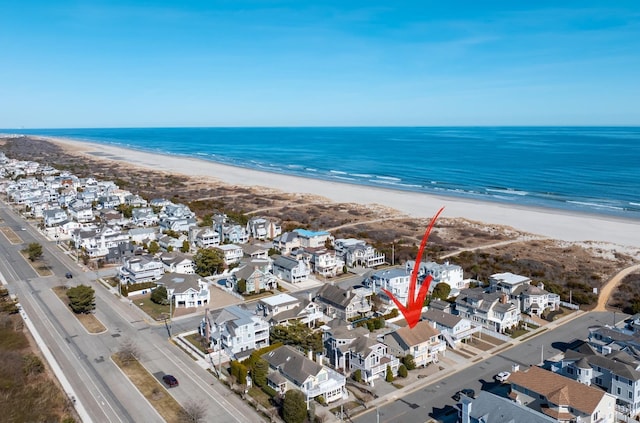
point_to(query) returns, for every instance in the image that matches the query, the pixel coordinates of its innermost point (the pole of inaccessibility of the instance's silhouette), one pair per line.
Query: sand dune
(555, 224)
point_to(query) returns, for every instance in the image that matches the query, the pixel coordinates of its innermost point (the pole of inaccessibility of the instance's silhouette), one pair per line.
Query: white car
(503, 376)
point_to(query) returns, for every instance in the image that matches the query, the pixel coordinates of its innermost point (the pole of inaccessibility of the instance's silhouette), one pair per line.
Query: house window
(618, 390)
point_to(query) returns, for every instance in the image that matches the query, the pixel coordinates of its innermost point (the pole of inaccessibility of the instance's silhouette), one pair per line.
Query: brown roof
(422, 332)
(558, 389)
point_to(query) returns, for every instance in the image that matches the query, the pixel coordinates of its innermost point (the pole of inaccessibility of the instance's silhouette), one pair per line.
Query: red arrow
(413, 309)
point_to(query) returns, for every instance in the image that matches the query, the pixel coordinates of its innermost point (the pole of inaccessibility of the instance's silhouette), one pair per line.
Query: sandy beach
(554, 224)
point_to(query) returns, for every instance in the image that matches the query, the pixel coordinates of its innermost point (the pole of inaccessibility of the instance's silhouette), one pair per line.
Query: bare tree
(128, 352)
(192, 412)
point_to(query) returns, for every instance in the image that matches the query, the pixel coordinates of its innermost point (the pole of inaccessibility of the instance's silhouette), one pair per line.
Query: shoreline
(552, 223)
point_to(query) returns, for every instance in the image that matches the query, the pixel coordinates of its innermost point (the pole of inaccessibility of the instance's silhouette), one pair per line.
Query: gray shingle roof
(292, 364)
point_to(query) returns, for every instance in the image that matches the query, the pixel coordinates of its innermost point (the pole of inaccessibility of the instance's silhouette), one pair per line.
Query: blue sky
(331, 63)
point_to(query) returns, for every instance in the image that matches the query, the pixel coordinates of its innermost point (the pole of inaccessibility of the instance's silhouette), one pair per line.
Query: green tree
(153, 247)
(208, 261)
(441, 291)
(409, 362)
(357, 375)
(34, 251)
(239, 371)
(159, 295)
(389, 376)
(241, 286)
(294, 407)
(185, 246)
(297, 334)
(259, 372)
(402, 371)
(82, 299)
(127, 211)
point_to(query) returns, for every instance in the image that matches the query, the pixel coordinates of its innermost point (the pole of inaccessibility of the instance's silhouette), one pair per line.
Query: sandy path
(608, 288)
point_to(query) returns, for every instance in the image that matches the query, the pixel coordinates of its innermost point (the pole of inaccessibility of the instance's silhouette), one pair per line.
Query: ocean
(585, 169)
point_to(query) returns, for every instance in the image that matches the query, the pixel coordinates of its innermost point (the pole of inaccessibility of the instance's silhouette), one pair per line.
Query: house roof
(279, 300)
(408, 337)
(447, 320)
(495, 409)
(558, 389)
(180, 283)
(285, 262)
(335, 295)
(292, 364)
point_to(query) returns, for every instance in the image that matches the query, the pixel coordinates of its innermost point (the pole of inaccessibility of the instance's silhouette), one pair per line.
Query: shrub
(357, 376)
(402, 371)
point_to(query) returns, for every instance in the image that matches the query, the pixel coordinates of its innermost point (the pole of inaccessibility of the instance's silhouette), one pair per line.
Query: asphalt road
(106, 394)
(434, 400)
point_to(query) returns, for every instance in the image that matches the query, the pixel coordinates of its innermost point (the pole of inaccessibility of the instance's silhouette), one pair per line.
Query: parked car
(502, 376)
(170, 380)
(68, 275)
(466, 392)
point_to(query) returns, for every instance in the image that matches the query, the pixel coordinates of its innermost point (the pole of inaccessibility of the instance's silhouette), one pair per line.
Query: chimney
(319, 358)
(503, 298)
(310, 355)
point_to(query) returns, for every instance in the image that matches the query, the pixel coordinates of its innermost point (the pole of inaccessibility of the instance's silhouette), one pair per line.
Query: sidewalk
(457, 363)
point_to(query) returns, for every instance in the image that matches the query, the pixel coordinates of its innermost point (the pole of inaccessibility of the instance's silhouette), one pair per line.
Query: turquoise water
(585, 169)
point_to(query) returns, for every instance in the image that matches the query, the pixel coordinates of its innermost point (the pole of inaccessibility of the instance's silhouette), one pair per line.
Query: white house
(232, 253)
(494, 311)
(177, 263)
(140, 269)
(290, 270)
(236, 330)
(291, 369)
(448, 273)
(186, 290)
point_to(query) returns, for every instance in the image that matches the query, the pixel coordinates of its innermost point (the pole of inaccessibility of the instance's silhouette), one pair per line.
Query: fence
(569, 305)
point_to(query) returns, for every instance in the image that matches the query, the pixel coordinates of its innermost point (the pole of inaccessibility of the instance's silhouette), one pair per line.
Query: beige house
(423, 342)
(561, 398)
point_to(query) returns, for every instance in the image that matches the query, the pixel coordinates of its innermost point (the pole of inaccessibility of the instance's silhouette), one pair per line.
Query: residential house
(343, 304)
(448, 273)
(395, 280)
(617, 373)
(606, 339)
(235, 234)
(139, 269)
(532, 299)
(254, 251)
(135, 200)
(169, 243)
(283, 308)
(372, 359)
(80, 212)
(177, 263)
(324, 262)
(290, 270)
(454, 329)
(494, 311)
(255, 276)
(262, 228)
(176, 224)
(232, 253)
(423, 342)
(54, 217)
(290, 369)
(313, 239)
(491, 408)
(178, 211)
(561, 398)
(286, 242)
(186, 290)
(144, 216)
(236, 330)
(535, 300)
(143, 235)
(356, 252)
(204, 237)
(108, 201)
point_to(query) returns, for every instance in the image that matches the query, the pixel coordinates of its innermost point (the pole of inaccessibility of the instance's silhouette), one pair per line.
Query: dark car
(68, 275)
(466, 392)
(170, 380)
